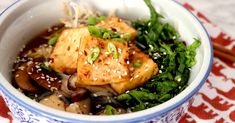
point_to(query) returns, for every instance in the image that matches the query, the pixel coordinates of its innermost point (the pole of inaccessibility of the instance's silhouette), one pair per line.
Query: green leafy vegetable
(162, 42)
(52, 41)
(93, 54)
(191, 53)
(140, 99)
(109, 110)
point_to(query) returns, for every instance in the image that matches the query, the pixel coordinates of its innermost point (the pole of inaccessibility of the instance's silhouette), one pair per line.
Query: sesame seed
(106, 53)
(17, 75)
(125, 73)
(80, 52)
(95, 95)
(98, 106)
(21, 68)
(119, 50)
(119, 77)
(137, 76)
(37, 78)
(108, 70)
(160, 71)
(30, 62)
(42, 77)
(95, 79)
(37, 66)
(108, 62)
(127, 62)
(51, 79)
(133, 52)
(29, 73)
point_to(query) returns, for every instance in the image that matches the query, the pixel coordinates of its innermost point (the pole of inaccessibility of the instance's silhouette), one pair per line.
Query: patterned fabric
(215, 101)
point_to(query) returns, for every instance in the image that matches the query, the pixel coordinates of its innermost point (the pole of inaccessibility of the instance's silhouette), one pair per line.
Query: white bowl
(26, 18)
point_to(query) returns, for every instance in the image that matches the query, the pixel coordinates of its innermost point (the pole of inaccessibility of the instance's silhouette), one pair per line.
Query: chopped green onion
(100, 32)
(95, 31)
(93, 55)
(45, 65)
(137, 65)
(112, 49)
(52, 41)
(106, 35)
(93, 21)
(109, 110)
(126, 37)
(119, 39)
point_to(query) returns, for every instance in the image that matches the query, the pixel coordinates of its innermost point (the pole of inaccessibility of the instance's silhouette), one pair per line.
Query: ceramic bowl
(24, 19)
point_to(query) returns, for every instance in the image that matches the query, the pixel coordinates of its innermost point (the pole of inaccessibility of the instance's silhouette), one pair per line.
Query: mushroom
(23, 80)
(76, 94)
(80, 107)
(53, 101)
(48, 80)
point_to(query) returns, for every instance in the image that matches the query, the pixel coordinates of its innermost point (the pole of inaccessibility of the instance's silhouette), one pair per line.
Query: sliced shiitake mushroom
(48, 80)
(23, 80)
(79, 94)
(80, 107)
(100, 88)
(75, 94)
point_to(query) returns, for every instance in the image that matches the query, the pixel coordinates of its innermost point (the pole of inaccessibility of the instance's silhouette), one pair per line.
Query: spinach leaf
(163, 44)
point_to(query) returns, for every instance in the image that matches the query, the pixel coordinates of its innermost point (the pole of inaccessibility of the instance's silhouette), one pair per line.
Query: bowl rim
(130, 117)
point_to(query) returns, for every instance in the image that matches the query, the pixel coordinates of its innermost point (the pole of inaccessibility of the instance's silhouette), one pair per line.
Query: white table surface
(220, 12)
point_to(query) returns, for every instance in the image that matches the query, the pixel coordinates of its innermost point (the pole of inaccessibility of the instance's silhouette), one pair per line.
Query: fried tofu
(140, 74)
(65, 54)
(73, 47)
(105, 69)
(117, 24)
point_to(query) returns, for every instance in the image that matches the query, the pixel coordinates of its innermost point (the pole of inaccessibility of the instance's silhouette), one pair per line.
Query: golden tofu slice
(117, 24)
(65, 54)
(105, 69)
(142, 68)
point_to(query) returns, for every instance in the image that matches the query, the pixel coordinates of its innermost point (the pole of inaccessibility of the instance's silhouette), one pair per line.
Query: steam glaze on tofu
(105, 69)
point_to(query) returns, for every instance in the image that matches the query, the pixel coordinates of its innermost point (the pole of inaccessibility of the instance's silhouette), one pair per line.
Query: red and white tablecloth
(215, 101)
